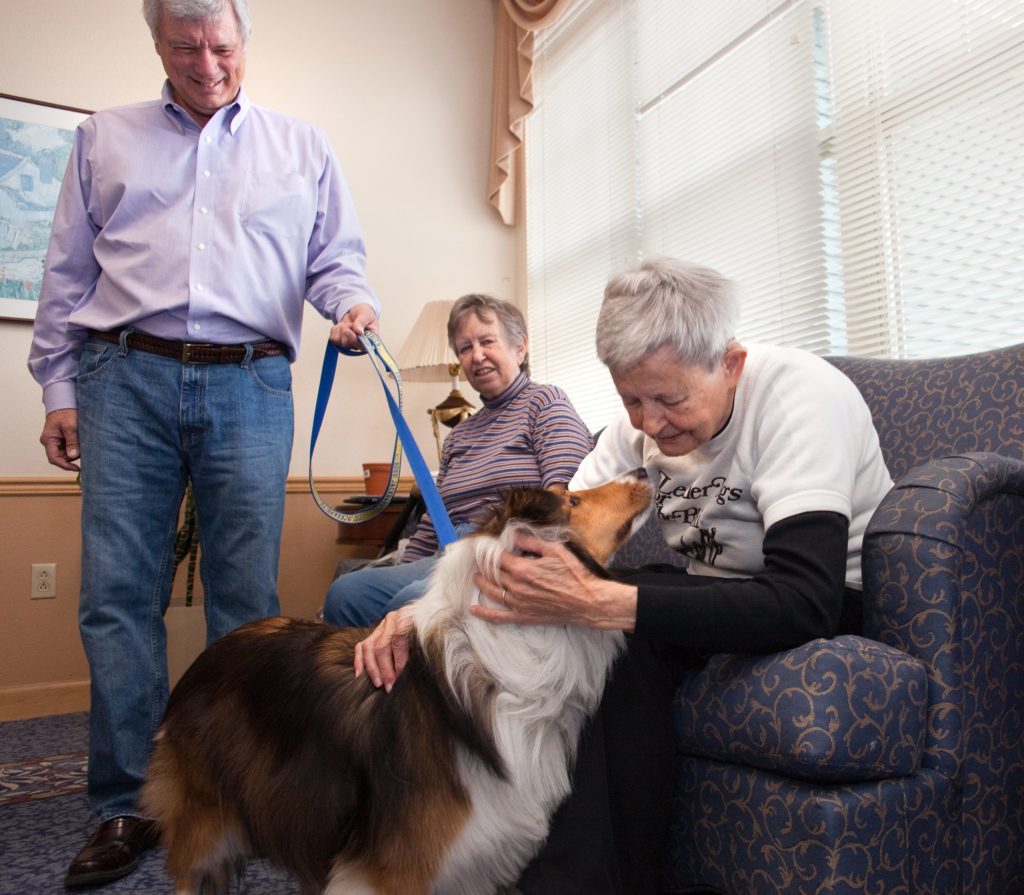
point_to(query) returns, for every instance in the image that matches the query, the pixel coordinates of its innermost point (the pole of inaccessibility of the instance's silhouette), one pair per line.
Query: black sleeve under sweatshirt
(799, 596)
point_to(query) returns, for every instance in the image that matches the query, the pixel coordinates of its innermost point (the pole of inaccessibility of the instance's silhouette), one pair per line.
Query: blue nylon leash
(382, 363)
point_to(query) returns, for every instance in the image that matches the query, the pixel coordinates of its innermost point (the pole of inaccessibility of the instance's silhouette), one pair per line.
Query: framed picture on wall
(35, 143)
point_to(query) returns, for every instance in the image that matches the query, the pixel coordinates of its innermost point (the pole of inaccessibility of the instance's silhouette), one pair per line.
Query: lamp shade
(426, 356)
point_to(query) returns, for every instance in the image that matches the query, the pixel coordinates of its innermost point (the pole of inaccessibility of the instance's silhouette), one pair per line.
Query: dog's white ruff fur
(550, 679)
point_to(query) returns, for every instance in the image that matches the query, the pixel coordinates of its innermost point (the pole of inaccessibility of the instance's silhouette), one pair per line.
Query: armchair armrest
(938, 524)
(943, 561)
(841, 710)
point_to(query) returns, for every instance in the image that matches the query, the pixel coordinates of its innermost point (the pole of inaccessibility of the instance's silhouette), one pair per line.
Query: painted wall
(42, 666)
(402, 89)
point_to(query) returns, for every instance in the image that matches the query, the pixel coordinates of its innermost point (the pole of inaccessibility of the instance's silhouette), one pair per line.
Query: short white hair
(664, 302)
(196, 9)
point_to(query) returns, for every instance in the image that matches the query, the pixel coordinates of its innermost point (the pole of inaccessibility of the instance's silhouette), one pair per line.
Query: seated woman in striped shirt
(525, 435)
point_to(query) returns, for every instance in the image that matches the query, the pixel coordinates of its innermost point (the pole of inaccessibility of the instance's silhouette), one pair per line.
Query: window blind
(728, 156)
(581, 161)
(929, 125)
(853, 164)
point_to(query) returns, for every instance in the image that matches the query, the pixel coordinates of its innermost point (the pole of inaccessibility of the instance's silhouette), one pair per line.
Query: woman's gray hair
(196, 9)
(488, 308)
(663, 302)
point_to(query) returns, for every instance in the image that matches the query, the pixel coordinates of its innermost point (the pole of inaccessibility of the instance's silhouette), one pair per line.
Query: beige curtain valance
(517, 23)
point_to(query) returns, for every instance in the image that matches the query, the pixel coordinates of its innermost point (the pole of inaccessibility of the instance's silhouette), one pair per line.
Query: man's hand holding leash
(60, 431)
(360, 318)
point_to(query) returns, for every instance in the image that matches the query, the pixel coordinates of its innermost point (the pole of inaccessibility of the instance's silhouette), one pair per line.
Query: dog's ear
(534, 505)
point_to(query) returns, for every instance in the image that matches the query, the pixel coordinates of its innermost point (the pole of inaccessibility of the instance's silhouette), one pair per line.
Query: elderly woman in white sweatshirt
(766, 468)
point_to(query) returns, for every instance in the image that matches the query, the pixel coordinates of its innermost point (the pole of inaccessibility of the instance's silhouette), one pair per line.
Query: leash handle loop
(382, 363)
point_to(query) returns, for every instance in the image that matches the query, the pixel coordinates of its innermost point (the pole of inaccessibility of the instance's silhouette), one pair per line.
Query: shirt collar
(235, 111)
(518, 384)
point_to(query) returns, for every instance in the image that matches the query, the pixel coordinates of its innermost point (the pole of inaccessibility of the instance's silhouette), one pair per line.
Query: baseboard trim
(36, 700)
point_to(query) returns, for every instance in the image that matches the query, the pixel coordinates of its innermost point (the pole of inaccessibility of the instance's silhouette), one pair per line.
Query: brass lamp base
(451, 411)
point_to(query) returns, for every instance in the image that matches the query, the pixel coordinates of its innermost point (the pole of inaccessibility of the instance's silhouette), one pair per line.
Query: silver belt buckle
(188, 347)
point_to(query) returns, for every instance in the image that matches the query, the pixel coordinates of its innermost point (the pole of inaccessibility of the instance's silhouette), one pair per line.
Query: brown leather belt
(192, 352)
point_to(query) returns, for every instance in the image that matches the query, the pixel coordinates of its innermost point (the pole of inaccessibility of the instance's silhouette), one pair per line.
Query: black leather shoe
(112, 852)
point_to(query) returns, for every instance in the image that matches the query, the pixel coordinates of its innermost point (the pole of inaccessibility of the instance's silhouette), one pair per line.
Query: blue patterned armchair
(889, 764)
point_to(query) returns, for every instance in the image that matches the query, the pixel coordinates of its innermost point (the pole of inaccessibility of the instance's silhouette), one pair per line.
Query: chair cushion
(841, 710)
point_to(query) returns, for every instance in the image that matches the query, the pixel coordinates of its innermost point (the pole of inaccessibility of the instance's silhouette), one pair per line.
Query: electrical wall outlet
(44, 580)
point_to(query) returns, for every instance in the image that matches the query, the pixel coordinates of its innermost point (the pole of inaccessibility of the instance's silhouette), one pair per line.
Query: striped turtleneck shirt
(528, 436)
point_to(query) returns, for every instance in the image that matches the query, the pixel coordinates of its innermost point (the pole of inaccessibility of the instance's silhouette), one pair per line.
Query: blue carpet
(45, 817)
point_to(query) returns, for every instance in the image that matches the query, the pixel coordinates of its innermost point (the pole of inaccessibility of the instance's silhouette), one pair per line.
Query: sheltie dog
(272, 747)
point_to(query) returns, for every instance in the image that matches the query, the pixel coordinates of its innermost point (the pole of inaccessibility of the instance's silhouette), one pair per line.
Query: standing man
(188, 233)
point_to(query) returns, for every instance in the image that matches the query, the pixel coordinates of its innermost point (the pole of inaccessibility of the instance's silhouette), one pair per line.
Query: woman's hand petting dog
(543, 583)
(384, 653)
(547, 584)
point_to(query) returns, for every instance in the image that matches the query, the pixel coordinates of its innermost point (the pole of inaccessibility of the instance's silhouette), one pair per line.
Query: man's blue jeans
(148, 424)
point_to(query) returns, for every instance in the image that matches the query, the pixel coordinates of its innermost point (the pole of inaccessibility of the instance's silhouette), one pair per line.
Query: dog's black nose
(640, 472)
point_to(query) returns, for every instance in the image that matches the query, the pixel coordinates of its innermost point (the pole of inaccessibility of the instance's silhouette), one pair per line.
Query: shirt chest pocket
(278, 203)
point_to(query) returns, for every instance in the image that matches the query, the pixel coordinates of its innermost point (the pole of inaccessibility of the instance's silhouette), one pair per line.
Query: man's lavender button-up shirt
(213, 234)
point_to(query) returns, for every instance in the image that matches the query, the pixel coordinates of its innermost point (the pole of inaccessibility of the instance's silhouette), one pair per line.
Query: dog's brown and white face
(598, 520)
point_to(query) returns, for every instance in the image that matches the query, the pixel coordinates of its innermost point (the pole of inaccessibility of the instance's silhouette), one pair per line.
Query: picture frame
(35, 144)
